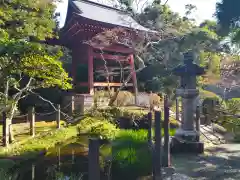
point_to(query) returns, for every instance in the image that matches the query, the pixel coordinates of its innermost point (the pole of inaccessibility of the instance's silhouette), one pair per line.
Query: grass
(21, 131)
(40, 143)
(33, 147)
(131, 154)
(127, 147)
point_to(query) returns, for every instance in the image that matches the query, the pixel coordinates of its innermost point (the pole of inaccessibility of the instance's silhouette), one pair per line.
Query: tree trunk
(113, 98)
(11, 114)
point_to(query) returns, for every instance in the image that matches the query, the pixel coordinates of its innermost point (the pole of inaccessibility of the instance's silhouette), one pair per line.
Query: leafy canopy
(228, 15)
(26, 64)
(21, 22)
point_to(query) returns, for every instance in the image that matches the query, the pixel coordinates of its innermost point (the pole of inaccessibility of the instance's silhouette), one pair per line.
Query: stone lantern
(186, 137)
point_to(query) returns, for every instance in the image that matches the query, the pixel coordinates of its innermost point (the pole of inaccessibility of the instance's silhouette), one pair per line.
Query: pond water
(65, 162)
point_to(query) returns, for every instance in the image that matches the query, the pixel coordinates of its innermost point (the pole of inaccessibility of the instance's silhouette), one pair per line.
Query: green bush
(233, 105)
(113, 114)
(230, 122)
(124, 98)
(211, 104)
(97, 128)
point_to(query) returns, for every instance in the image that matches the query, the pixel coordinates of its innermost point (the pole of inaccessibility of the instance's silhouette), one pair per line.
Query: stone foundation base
(78, 103)
(178, 146)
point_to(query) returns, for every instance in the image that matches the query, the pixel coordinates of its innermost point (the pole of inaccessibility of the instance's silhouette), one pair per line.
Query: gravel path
(220, 163)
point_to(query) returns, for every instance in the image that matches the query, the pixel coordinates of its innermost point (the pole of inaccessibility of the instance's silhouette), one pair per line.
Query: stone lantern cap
(188, 68)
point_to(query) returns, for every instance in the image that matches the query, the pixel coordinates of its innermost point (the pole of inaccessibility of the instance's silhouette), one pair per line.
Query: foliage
(207, 94)
(131, 154)
(32, 147)
(97, 128)
(228, 16)
(233, 105)
(27, 19)
(155, 100)
(210, 104)
(127, 148)
(112, 113)
(25, 63)
(177, 36)
(224, 113)
(124, 98)
(32, 60)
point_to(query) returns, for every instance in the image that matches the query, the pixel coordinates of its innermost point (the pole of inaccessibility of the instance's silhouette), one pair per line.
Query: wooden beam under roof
(110, 57)
(105, 84)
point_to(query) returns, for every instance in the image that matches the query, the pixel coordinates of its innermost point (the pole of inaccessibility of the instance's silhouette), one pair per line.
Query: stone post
(186, 137)
(188, 113)
(93, 159)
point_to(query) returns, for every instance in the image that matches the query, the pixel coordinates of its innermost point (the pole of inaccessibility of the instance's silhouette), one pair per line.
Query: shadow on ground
(220, 163)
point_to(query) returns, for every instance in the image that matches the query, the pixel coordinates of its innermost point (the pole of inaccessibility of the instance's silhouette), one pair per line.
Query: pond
(66, 162)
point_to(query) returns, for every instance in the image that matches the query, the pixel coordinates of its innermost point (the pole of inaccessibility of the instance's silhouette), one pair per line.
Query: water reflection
(68, 162)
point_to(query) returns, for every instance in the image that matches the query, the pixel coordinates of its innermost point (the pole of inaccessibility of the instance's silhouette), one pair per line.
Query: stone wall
(85, 101)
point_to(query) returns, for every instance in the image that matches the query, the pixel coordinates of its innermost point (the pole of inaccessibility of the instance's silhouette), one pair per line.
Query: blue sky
(205, 8)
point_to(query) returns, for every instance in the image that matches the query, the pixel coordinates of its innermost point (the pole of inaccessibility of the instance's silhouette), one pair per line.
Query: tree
(25, 64)
(177, 36)
(164, 52)
(228, 15)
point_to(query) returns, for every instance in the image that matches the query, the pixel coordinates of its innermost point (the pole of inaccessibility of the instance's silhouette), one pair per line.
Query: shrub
(233, 105)
(231, 123)
(211, 104)
(97, 128)
(109, 113)
(100, 96)
(154, 100)
(118, 115)
(173, 123)
(124, 98)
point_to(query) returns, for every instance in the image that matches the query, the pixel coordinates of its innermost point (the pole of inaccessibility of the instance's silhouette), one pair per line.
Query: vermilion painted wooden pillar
(90, 70)
(134, 77)
(74, 69)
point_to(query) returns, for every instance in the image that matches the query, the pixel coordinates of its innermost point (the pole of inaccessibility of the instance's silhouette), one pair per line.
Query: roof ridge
(102, 5)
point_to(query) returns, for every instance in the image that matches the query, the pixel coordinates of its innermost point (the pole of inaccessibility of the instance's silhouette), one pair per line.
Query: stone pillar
(188, 102)
(186, 137)
(188, 114)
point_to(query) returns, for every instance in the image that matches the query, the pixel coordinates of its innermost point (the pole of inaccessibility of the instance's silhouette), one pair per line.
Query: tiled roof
(102, 13)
